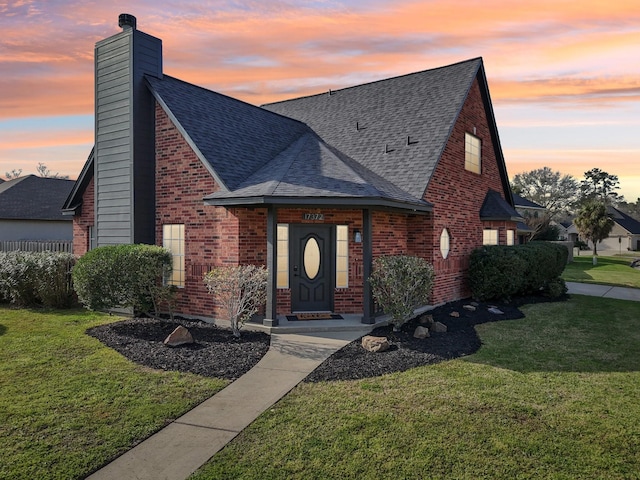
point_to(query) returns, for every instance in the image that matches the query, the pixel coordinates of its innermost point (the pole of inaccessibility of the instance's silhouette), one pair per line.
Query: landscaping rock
(180, 336)
(426, 320)
(495, 311)
(454, 314)
(469, 308)
(375, 344)
(635, 263)
(421, 332)
(439, 327)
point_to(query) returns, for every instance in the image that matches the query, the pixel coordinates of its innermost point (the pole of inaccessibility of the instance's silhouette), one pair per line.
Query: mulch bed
(217, 353)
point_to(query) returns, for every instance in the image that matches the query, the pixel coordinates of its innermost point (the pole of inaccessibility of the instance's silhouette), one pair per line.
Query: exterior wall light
(357, 236)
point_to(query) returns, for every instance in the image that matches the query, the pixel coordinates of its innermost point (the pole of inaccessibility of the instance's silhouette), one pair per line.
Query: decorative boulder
(439, 327)
(375, 344)
(426, 320)
(495, 311)
(179, 336)
(454, 314)
(469, 308)
(421, 332)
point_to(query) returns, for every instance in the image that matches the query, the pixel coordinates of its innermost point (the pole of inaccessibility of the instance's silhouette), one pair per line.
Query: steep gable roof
(233, 139)
(34, 198)
(397, 127)
(627, 222)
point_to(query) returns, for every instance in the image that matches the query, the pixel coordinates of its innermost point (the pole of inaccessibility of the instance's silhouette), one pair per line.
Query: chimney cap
(127, 21)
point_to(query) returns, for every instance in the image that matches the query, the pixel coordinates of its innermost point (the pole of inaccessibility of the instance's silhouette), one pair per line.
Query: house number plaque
(313, 216)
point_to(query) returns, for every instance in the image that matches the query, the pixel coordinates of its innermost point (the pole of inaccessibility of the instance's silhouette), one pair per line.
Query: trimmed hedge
(501, 272)
(123, 276)
(30, 279)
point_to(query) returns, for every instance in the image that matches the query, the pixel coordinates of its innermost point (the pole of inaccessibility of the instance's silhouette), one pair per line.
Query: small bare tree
(240, 290)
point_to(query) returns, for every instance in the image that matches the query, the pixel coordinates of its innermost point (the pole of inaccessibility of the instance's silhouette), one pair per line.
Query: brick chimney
(125, 135)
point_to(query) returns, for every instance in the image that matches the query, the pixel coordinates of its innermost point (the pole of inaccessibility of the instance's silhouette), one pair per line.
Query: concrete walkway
(606, 291)
(183, 446)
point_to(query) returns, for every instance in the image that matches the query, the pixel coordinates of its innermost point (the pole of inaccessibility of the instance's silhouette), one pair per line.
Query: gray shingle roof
(519, 201)
(310, 168)
(34, 198)
(235, 138)
(372, 123)
(627, 222)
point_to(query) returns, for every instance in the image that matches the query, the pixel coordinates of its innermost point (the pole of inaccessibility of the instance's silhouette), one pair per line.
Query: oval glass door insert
(312, 258)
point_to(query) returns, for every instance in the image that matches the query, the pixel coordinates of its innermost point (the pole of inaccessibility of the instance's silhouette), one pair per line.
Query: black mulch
(216, 353)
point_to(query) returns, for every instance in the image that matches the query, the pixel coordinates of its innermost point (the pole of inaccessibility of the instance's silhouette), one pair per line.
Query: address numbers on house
(313, 216)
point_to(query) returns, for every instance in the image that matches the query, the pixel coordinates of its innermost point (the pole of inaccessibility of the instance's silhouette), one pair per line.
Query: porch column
(271, 316)
(367, 261)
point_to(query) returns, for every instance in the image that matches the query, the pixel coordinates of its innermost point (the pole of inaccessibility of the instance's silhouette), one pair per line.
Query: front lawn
(609, 271)
(69, 404)
(553, 395)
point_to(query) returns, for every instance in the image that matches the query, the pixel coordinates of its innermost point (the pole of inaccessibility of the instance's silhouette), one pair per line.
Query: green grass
(609, 271)
(69, 404)
(551, 396)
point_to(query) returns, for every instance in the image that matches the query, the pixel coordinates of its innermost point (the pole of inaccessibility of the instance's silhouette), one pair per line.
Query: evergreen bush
(501, 272)
(36, 279)
(123, 276)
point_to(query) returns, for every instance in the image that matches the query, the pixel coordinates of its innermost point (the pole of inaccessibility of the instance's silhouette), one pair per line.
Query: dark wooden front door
(312, 262)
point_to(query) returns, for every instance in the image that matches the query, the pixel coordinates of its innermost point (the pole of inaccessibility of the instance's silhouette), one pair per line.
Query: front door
(312, 264)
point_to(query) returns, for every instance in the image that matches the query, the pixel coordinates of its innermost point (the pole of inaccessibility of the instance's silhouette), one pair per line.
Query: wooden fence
(36, 246)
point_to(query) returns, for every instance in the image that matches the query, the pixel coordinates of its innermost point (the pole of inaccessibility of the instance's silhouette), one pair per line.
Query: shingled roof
(627, 222)
(397, 127)
(372, 144)
(34, 198)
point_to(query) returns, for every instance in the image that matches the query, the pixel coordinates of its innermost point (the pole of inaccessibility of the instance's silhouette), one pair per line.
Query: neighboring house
(30, 209)
(314, 188)
(625, 234)
(528, 210)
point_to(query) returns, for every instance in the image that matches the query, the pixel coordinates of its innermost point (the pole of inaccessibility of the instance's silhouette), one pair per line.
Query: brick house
(314, 188)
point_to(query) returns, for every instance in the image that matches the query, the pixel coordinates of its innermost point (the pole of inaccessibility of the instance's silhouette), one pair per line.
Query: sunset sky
(564, 76)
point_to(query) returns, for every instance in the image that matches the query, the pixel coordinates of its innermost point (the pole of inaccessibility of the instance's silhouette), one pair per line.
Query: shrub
(36, 278)
(504, 271)
(123, 276)
(240, 290)
(555, 288)
(400, 283)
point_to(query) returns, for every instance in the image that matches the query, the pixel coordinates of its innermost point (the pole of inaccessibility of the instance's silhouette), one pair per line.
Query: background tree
(554, 191)
(593, 223)
(13, 174)
(41, 170)
(600, 185)
(631, 208)
(44, 172)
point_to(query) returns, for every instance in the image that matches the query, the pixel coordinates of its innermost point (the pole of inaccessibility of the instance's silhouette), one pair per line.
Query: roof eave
(335, 202)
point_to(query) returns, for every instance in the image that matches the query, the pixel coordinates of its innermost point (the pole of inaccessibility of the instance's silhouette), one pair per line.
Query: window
(472, 153)
(342, 256)
(511, 236)
(282, 260)
(173, 240)
(92, 237)
(444, 243)
(489, 237)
